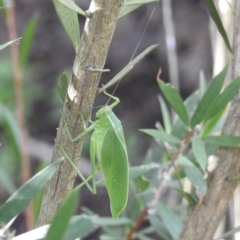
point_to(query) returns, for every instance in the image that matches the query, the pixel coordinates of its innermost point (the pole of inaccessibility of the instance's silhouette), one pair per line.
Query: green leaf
(16, 41)
(133, 2)
(73, 6)
(191, 199)
(194, 175)
(178, 128)
(107, 221)
(209, 96)
(62, 217)
(168, 216)
(62, 86)
(140, 236)
(166, 115)
(20, 199)
(223, 99)
(69, 20)
(137, 171)
(199, 151)
(216, 18)
(216, 122)
(79, 227)
(131, 5)
(202, 84)
(27, 41)
(223, 140)
(174, 99)
(141, 183)
(35, 234)
(162, 136)
(159, 227)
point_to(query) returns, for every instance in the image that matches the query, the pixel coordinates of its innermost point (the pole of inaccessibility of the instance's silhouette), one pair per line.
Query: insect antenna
(138, 44)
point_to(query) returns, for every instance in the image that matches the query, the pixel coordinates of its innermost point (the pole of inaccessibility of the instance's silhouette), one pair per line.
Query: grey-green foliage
(187, 138)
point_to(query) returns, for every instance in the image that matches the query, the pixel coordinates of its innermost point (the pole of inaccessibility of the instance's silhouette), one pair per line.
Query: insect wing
(115, 169)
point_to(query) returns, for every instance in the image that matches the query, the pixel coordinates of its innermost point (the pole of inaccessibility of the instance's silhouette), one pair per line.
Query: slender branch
(95, 41)
(23, 133)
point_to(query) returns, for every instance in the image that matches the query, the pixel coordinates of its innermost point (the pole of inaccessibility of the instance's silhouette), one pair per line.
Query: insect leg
(75, 168)
(116, 102)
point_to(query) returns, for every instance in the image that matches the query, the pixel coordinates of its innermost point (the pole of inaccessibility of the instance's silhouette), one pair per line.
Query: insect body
(109, 147)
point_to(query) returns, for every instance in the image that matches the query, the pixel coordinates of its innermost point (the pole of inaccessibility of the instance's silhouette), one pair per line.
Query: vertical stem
(17, 76)
(95, 41)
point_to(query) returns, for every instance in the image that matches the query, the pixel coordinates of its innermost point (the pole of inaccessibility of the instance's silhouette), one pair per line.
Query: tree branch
(94, 45)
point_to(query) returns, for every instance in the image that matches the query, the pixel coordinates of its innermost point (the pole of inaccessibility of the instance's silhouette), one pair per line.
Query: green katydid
(107, 144)
(109, 147)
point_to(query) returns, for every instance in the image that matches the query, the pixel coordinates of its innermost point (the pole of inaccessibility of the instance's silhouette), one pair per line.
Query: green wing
(115, 169)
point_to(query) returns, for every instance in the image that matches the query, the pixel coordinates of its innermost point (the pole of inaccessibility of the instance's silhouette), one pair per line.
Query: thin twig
(165, 176)
(17, 76)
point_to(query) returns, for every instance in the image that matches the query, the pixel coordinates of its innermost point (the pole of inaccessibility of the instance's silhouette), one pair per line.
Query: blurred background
(187, 44)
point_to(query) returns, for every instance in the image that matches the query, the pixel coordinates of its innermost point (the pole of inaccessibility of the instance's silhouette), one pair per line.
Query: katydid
(109, 147)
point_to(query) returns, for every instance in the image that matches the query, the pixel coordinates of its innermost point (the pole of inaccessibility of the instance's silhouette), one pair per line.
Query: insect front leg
(116, 102)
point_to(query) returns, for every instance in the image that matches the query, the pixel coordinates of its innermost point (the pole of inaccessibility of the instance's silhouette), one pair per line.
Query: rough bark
(204, 219)
(94, 45)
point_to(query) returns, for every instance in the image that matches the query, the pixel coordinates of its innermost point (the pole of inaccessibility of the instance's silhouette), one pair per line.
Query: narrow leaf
(223, 140)
(127, 68)
(159, 227)
(216, 18)
(62, 217)
(162, 136)
(174, 99)
(209, 96)
(141, 183)
(202, 84)
(62, 86)
(124, 10)
(215, 123)
(137, 171)
(166, 115)
(199, 151)
(69, 20)
(20, 199)
(178, 128)
(35, 234)
(194, 175)
(27, 41)
(16, 41)
(79, 227)
(107, 221)
(132, 2)
(223, 99)
(131, 5)
(168, 217)
(73, 6)
(10, 125)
